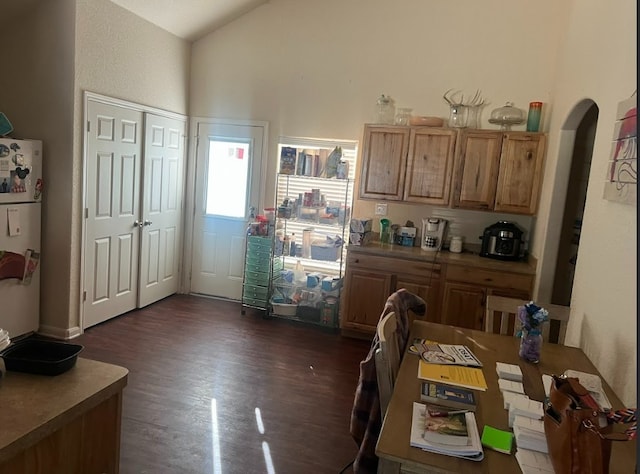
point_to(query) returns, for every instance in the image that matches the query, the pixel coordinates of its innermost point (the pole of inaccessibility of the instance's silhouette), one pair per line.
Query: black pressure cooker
(502, 241)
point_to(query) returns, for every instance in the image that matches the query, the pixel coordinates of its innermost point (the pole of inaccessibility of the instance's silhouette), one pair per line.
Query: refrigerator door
(20, 170)
(19, 301)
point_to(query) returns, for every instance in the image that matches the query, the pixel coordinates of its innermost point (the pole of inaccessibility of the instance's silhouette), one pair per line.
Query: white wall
(37, 94)
(316, 68)
(57, 51)
(598, 62)
(119, 55)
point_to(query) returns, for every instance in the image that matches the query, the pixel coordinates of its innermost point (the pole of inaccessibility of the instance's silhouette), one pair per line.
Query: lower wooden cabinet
(370, 280)
(455, 294)
(466, 288)
(428, 290)
(364, 297)
(463, 305)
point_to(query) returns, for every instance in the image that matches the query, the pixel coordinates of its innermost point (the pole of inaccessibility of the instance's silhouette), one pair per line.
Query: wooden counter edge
(39, 433)
(445, 258)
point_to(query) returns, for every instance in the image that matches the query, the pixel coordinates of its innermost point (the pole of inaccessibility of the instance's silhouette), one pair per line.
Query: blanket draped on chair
(366, 419)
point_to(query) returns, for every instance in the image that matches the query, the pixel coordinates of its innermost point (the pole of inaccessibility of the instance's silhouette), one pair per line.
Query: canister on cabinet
(455, 245)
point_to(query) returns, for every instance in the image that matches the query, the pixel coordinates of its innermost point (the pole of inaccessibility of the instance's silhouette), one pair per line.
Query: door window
(227, 168)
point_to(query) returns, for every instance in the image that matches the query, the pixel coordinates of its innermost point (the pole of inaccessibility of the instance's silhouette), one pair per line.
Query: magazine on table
(460, 376)
(451, 434)
(449, 354)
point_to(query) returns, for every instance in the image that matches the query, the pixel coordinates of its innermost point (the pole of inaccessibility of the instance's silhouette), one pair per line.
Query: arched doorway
(583, 120)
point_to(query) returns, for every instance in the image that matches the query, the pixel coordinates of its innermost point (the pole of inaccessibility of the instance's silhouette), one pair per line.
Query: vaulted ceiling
(188, 19)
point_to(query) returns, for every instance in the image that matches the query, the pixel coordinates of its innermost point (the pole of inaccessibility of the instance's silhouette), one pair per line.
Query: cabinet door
(364, 297)
(427, 290)
(463, 305)
(520, 173)
(476, 171)
(429, 166)
(384, 156)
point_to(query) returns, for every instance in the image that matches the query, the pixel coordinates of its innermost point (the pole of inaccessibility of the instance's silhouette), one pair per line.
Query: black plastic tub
(41, 357)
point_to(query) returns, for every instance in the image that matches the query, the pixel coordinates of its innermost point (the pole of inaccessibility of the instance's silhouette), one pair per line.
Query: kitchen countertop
(466, 258)
(35, 406)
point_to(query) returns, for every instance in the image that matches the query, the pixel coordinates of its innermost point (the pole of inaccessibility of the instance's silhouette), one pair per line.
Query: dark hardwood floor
(199, 371)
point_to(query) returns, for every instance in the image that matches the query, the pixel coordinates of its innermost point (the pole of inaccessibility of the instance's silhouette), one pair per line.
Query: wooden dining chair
(387, 358)
(505, 323)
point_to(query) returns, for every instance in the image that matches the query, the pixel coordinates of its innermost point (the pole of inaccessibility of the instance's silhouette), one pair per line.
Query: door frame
(190, 188)
(560, 175)
(95, 97)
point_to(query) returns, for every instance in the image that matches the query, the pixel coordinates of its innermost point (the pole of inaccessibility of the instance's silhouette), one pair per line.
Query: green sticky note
(498, 440)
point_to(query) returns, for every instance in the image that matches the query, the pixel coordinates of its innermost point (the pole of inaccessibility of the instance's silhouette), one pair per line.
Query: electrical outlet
(381, 209)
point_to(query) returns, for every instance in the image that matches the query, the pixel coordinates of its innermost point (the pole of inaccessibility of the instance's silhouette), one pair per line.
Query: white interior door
(114, 148)
(161, 208)
(229, 161)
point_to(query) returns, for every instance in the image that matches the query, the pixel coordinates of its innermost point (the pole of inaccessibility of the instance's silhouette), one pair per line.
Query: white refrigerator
(20, 203)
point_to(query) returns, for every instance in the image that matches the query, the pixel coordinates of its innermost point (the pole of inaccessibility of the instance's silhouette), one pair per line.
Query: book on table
(447, 396)
(459, 376)
(450, 354)
(496, 439)
(449, 434)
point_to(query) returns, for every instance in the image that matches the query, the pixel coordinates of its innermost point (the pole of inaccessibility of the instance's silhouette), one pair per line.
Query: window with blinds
(314, 192)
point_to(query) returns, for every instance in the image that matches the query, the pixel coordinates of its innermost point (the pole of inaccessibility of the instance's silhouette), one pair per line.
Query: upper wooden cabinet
(412, 164)
(498, 171)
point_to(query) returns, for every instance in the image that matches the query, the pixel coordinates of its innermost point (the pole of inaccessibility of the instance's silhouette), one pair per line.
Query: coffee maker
(433, 233)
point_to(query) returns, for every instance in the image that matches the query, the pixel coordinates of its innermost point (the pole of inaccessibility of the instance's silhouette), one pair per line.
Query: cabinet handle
(424, 157)
(357, 260)
(529, 155)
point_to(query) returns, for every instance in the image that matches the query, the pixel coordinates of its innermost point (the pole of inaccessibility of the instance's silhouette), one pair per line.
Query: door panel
(463, 305)
(112, 195)
(161, 207)
(229, 160)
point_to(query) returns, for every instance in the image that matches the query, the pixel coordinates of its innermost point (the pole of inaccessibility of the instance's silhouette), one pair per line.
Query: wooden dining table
(393, 442)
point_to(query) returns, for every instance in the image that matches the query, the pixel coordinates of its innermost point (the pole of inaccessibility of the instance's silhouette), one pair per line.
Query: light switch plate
(381, 209)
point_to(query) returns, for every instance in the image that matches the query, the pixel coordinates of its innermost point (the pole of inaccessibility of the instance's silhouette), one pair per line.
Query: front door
(113, 160)
(229, 178)
(162, 192)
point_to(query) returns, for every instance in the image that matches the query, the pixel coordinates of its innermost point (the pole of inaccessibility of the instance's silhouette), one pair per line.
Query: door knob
(146, 222)
(137, 223)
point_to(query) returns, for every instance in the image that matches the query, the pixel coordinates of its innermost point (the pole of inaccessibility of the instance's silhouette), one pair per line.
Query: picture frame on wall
(622, 172)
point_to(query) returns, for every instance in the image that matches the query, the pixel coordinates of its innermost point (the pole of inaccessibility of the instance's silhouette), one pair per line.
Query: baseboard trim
(59, 333)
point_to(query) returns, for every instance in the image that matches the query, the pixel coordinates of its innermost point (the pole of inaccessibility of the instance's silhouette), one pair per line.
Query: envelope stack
(525, 417)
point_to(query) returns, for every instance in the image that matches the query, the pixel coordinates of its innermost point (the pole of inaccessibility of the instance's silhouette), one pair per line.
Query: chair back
(387, 358)
(505, 310)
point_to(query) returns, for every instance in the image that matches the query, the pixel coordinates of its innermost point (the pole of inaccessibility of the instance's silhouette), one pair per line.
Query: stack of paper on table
(532, 462)
(510, 397)
(529, 434)
(510, 386)
(593, 384)
(471, 449)
(547, 380)
(528, 408)
(509, 371)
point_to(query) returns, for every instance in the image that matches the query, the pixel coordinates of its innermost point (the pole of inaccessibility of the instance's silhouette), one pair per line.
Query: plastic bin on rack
(325, 252)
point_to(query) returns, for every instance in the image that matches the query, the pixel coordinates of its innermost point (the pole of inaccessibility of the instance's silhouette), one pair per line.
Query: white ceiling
(189, 19)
